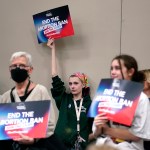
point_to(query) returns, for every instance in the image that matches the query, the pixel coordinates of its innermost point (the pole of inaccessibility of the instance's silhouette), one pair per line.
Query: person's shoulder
(6, 93)
(43, 91)
(5, 96)
(143, 96)
(87, 99)
(41, 87)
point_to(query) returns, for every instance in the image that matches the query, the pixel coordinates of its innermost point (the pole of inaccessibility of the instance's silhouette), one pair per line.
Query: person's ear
(83, 86)
(131, 72)
(30, 70)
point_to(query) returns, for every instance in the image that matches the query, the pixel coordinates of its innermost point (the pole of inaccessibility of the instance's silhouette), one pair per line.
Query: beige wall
(90, 50)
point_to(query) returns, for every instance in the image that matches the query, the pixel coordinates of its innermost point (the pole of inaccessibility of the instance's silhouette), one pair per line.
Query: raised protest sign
(28, 118)
(118, 99)
(54, 23)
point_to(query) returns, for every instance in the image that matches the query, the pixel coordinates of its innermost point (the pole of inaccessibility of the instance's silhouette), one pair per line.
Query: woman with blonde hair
(73, 125)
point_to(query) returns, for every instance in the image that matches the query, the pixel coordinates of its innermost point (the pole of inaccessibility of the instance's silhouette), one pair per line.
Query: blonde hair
(147, 74)
(22, 54)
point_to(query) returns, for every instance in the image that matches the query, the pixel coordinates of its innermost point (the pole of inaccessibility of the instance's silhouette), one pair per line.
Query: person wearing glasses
(118, 135)
(26, 90)
(73, 125)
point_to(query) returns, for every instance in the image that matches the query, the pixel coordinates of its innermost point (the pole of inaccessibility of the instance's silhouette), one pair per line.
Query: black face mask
(19, 75)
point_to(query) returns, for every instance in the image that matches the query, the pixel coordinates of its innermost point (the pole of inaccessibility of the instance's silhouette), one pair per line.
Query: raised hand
(51, 43)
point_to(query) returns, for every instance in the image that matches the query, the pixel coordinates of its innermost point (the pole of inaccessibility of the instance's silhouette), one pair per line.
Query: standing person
(147, 92)
(121, 136)
(26, 90)
(73, 125)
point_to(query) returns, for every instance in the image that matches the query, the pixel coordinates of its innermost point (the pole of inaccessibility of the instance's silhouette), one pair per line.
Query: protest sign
(54, 23)
(118, 99)
(28, 118)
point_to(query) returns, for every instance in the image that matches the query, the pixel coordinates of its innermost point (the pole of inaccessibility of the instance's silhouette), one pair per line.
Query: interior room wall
(96, 41)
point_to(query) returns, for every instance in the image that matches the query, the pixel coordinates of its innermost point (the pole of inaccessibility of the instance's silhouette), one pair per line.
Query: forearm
(54, 66)
(123, 134)
(91, 137)
(97, 131)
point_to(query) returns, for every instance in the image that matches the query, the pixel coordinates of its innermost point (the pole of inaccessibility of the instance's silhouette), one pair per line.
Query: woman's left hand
(23, 139)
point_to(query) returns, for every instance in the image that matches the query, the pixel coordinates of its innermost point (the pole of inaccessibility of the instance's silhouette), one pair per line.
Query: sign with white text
(54, 23)
(28, 118)
(118, 99)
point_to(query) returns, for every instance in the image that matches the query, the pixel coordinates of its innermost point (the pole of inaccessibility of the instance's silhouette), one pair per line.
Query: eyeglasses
(21, 66)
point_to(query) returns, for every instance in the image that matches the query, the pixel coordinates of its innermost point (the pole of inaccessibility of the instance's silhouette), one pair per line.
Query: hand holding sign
(100, 119)
(114, 98)
(24, 121)
(51, 43)
(24, 139)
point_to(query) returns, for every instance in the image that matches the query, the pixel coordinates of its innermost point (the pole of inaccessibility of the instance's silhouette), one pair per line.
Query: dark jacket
(66, 127)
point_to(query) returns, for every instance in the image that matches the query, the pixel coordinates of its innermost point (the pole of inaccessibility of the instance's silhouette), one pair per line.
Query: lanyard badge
(78, 143)
(79, 140)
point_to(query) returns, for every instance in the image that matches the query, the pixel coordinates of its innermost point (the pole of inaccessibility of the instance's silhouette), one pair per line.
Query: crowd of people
(74, 130)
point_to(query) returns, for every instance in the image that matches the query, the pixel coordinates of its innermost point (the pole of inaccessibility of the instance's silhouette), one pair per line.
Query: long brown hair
(130, 62)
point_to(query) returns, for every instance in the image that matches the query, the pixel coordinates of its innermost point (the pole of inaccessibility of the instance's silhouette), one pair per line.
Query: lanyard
(78, 112)
(25, 93)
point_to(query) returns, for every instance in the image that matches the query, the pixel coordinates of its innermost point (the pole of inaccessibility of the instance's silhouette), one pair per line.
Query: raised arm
(51, 44)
